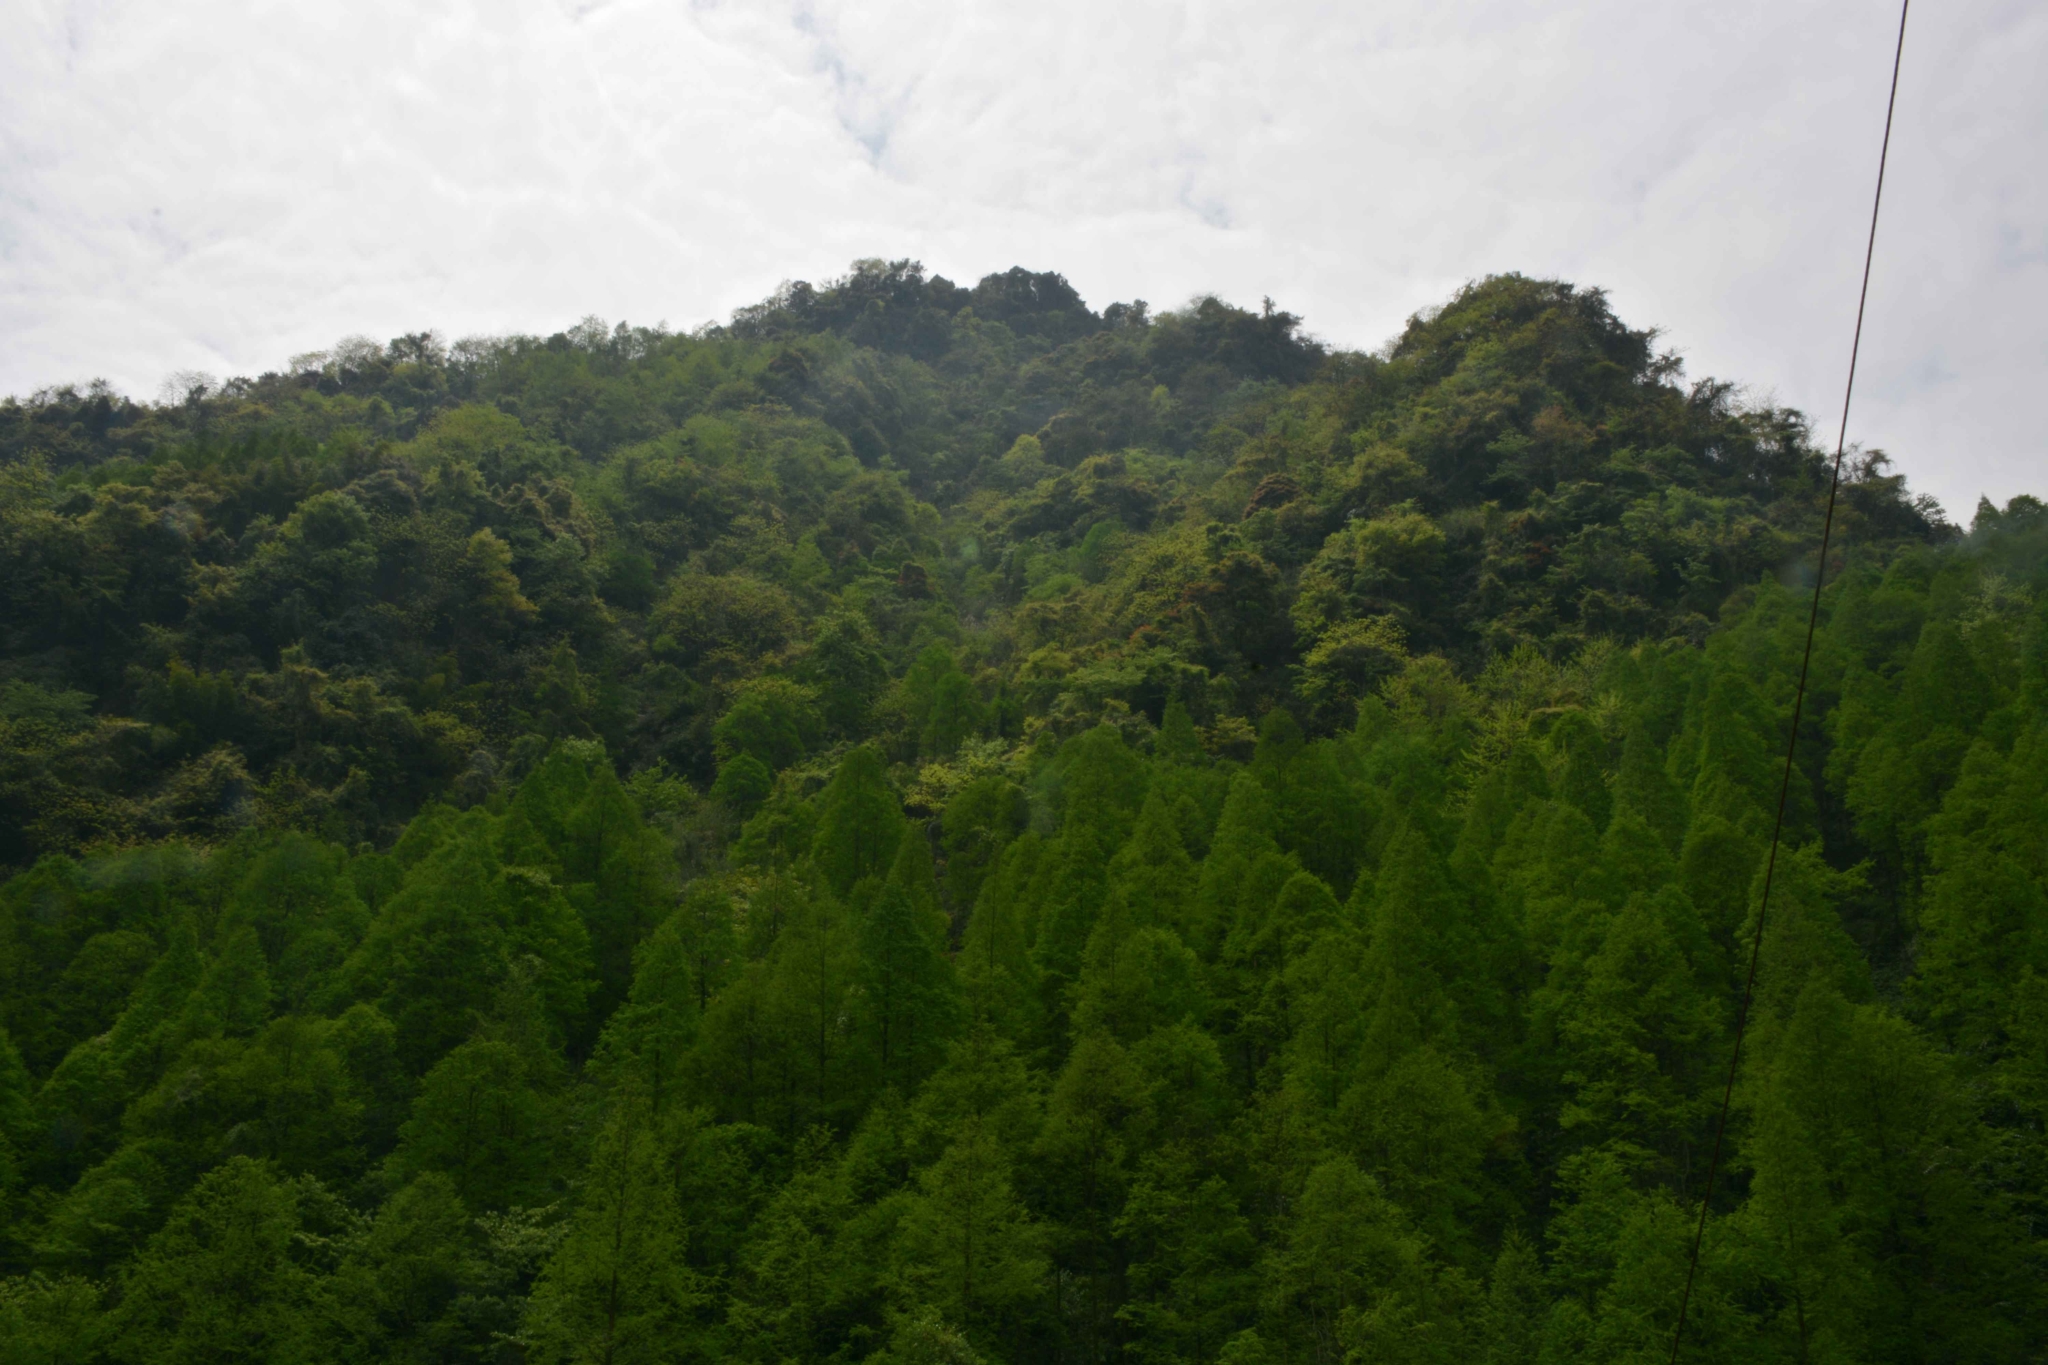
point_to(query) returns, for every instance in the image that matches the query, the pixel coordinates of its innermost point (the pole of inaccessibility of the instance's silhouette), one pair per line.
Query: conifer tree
(618, 1290)
(141, 1039)
(1097, 1118)
(705, 938)
(1717, 866)
(1583, 751)
(647, 1039)
(966, 1244)
(1516, 1300)
(1193, 1276)
(437, 950)
(1642, 782)
(813, 975)
(303, 902)
(793, 1281)
(1151, 875)
(986, 1079)
(395, 1296)
(1985, 900)
(80, 1105)
(551, 793)
(908, 991)
(1344, 1247)
(741, 1064)
(619, 872)
(483, 1119)
(1244, 833)
(998, 974)
(1177, 741)
(220, 1280)
(1328, 821)
(1636, 1032)
(860, 823)
(1879, 1241)
(1414, 936)
(978, 824)
(1103, 785)
(233, 997)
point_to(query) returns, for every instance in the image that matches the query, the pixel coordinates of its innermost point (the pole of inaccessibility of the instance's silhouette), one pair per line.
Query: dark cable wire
(1827, 527)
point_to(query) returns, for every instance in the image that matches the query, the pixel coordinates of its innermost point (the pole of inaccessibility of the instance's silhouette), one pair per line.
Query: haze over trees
(935, 824)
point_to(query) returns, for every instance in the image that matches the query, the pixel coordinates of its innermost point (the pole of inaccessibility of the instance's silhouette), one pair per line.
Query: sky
(211, 186)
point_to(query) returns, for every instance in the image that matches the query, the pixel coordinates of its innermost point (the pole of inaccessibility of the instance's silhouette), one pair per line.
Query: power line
(1827, 528)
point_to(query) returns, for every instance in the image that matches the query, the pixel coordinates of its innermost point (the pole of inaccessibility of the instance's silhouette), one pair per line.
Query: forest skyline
(934, 823)
(511, 171)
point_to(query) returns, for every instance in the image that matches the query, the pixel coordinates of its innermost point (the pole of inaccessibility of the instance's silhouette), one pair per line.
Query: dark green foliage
(932, 824)
(227, 1277)
(618, 1288)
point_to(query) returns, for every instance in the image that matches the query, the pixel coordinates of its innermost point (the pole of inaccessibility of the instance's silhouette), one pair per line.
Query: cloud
(217, 186)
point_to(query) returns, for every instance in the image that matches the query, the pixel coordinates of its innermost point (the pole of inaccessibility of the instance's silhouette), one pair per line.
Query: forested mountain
(934, 824)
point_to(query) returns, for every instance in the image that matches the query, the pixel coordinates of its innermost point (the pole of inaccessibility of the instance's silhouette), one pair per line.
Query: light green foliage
(438, 951)
(1634, 1031)
(1102, 787)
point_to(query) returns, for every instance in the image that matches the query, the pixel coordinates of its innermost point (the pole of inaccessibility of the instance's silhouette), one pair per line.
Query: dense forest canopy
(933, 823)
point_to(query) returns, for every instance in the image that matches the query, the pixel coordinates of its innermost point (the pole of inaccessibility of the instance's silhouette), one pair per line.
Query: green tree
(483, 1119)
(395, 1296)
(977, 825)
(909, 994)
(44, 1320)
(848, 671)
(966, 1244)
(1102, 789)
(620, 875)
(221, 1279)
(705, 939)
(647, 1040)
(794, 1281)
(771, 720)
(860, 822)
(1193, 1260)
(1637, 1037)
(618, 1290)
(1346, 1250)
(1878, 1239)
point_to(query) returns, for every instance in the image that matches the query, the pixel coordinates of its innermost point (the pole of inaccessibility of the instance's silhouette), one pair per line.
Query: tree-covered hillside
(938, 824)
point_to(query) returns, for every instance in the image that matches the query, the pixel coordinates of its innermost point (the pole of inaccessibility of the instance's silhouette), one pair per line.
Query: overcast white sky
(217, 186)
